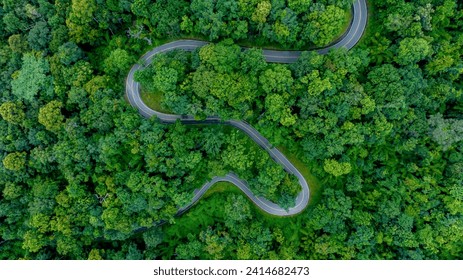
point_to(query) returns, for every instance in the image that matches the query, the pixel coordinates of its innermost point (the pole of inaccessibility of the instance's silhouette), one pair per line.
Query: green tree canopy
(50, 116)
(412, 50)
(32, 78)
(336, 168)
(15, 161)
(12, 112)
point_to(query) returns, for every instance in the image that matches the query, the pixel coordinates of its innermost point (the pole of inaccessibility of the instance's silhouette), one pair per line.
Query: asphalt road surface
(348, 41)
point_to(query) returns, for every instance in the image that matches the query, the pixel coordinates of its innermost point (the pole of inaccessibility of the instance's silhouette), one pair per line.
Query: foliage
(32, 78)
(380, 126)
(12, 112)
(15, 161)
(50, 116)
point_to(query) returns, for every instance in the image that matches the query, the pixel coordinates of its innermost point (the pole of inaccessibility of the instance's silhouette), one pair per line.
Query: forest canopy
(84, 176)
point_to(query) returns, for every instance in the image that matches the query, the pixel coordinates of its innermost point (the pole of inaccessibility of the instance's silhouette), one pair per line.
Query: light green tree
(278, 110)
(95, 255)
(165, 79)
(118, 61)
(32, 78)
(315, 84)
(276, 79)
(50, 116)
(299, 6)
(80, 21)
(412, 50)
(324, 25)
(261, 13)
(15, 161)
(12, 112)
(336, 168)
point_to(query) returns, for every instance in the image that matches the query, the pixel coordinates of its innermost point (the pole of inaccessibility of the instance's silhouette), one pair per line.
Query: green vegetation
(315, 185)
(221, 187)
(153, 100)
(380, 127)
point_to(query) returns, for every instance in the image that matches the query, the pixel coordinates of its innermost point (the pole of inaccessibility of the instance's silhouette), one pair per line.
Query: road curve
(348, 40)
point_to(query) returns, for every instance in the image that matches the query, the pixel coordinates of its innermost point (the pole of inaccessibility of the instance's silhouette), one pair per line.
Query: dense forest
(84, 176)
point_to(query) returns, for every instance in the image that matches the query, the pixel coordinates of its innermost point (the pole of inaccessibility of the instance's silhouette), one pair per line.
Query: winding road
(348, 40)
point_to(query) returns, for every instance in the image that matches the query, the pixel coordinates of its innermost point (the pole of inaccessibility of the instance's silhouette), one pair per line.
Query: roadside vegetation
(380, 128)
